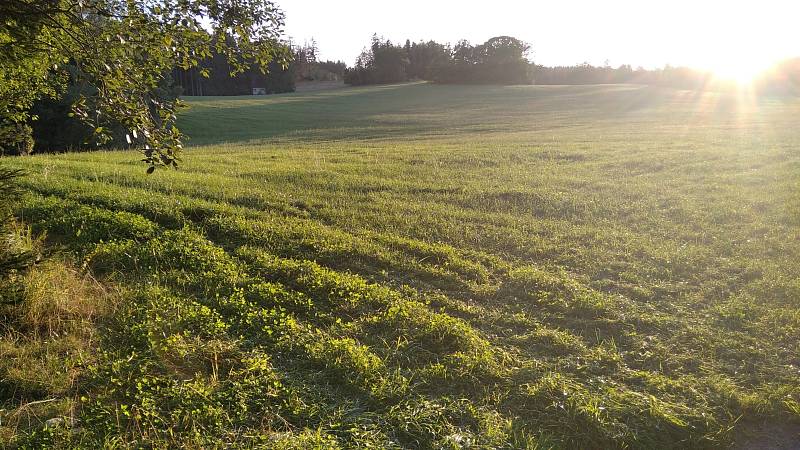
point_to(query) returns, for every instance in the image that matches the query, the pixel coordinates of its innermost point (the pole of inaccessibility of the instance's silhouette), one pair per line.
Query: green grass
(423, 266)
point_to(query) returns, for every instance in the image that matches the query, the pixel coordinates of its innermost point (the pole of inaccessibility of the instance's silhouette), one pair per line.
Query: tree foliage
(123, 49)
(274, 79)
(308, 66)
(500, 60)
(425, 57)
(56, 129)
(382, 63)
(504, 60)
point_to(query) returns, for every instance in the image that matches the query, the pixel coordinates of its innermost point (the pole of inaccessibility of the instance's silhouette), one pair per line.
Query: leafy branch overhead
(124, 49)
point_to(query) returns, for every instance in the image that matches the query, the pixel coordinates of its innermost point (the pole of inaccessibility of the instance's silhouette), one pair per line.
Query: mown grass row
(340, 336)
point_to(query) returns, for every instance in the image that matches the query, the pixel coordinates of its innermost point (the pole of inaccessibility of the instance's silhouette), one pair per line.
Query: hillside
(420, 266)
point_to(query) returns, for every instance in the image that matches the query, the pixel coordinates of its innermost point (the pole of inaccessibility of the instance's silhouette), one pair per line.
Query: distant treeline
(782, 78)
(500, 60)
(308, 67)
(504, 60)
(213, 76)
(587, 74)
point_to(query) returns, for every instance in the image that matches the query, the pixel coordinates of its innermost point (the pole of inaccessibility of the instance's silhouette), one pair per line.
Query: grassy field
(420, 266)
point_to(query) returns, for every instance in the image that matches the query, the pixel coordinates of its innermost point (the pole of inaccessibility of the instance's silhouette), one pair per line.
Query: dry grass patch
(58, 297)
(47, 339)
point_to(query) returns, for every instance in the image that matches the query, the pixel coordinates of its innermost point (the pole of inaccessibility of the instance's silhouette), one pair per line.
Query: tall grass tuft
(15, 248)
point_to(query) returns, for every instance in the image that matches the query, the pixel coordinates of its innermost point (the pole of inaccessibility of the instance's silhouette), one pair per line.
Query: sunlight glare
(741, 70)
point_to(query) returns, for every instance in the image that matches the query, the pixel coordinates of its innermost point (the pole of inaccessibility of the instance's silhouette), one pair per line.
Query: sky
(728, 36)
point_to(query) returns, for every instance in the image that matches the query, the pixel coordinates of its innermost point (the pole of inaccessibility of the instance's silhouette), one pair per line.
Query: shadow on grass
(408, 111)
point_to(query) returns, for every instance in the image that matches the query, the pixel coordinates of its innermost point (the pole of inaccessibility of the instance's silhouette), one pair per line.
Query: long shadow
(408, 111)
(236, 119)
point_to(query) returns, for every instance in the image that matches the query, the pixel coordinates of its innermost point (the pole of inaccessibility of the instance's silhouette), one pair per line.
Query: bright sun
(741, 71)
(739, 62)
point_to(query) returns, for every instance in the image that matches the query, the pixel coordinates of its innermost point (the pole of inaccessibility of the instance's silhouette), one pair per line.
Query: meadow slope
(421, 266)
